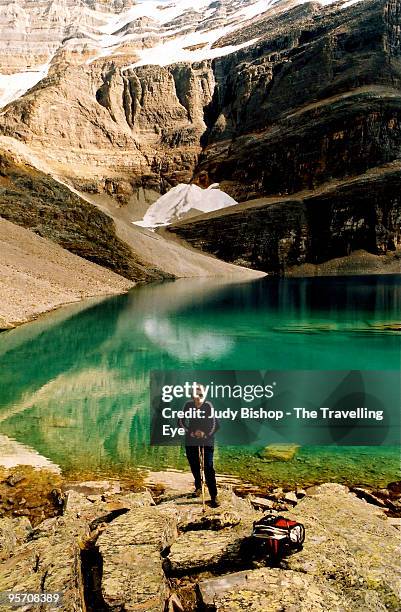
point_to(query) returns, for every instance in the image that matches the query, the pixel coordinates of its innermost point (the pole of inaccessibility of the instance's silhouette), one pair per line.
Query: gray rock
(261, 502)
(203, 550)
(369, 496)
(139, 526)
(50, 563)
(130, 547)
(352, 545)
(291, 497)
(268, 589)
(212, 520)
(137, 500)
(44, 529)
(13, 531)
(133, 578)
(97, 509)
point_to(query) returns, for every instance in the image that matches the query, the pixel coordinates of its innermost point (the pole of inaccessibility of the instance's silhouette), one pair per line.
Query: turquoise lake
(74, 385)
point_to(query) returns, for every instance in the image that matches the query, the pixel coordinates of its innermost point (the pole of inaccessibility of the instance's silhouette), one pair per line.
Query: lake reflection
(74, 385)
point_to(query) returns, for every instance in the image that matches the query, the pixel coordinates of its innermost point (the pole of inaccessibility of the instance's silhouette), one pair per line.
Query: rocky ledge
(112, 549)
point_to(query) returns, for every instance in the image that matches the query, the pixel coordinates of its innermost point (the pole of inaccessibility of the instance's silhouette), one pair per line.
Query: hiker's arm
(211, 423)
(183, 422)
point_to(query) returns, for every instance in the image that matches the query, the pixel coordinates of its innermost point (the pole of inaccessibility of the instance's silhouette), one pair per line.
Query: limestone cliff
(115, 133)
(317, 98)
(275, 235)
(267, 100)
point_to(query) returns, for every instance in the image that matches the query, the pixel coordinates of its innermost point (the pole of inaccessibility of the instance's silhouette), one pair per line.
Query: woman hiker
(199, 438)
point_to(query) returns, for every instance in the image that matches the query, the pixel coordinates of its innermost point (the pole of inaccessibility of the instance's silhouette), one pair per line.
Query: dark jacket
(208, 425)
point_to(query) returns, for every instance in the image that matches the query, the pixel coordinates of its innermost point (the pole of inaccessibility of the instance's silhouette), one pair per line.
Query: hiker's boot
(214, 502)
(197, 493)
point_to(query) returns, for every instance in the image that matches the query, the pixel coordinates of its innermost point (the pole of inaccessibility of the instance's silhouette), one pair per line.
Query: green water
(74, 384)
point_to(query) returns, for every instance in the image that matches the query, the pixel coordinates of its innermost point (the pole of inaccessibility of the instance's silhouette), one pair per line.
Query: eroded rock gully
(114, 550)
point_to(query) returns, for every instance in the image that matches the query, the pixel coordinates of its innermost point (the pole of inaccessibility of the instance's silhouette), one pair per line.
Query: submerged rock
(279, 452)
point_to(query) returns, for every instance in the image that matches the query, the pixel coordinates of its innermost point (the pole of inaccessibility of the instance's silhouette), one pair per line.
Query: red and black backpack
(280, 535)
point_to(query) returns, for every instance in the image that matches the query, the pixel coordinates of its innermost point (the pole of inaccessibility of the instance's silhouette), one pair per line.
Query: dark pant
(192, 453)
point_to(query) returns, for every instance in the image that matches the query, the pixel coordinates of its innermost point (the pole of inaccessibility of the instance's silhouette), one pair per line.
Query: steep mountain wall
(276, 235)
(116, 133)
(313, 100)
(313, 110)
(318, 98)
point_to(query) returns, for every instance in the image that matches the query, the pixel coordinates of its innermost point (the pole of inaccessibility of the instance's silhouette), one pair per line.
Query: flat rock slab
(353, 545)
(48, 564)
(130, 547)
(139, 526)
(13, 531)
(200, 550)
(213, 520)
(269, 590)
(189, 509)
(92, 508)
(178, 482)
(133, 578)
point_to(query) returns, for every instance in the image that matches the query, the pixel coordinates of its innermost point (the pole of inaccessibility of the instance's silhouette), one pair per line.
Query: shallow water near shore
(74, 385)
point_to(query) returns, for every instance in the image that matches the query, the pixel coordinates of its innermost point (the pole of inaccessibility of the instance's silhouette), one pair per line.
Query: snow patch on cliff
(13, 86)
(183, 200)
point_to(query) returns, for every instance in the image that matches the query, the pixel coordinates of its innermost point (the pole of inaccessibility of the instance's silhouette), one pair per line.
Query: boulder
(278, 452)
(268, 589)
(139, 526)
(95, 509)
(133, 578)
(352, 545)
(194, 551)
(212, 520)
(370, 497)
(12, 532)
(51, 563)
(395, 487)
(130, 549)
(262, 503)
(291, 497)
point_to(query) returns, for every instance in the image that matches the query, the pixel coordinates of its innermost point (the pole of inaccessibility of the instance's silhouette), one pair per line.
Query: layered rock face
(115, 133)
(317, 98)
(32, 31)
(130, 136)
(35, 201)
(277, 235)
(283, 100)
(313, 110)
(84, 93)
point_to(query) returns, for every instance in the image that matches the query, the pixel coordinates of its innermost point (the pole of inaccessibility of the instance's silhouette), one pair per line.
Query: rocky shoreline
(114, 546)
